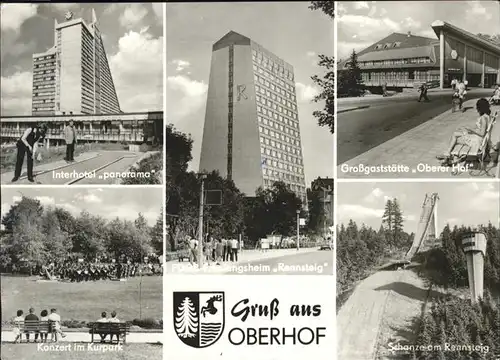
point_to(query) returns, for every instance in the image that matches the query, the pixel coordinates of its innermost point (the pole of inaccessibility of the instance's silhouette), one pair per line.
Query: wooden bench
(35, 327)
(110, 328)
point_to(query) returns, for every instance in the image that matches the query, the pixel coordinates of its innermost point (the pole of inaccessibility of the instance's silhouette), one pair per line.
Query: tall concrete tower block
(474, 245)
(251, 133)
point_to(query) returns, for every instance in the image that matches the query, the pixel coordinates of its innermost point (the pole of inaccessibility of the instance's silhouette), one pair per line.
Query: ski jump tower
(474, 245)
(425, 237)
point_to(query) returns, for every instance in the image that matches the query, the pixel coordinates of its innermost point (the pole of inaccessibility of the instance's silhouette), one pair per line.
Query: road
(309, 263)
(361, 130)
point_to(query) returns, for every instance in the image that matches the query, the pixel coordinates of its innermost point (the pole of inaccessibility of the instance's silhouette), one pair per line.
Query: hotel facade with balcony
(251, 132)
(406, 60)
(73, 77)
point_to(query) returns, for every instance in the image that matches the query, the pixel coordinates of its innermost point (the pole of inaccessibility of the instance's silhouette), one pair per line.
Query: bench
(36, 326)
(476, 154)
(109, 328)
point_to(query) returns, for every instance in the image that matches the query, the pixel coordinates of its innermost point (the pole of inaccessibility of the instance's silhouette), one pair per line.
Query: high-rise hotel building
(251, 133)
(73, 77)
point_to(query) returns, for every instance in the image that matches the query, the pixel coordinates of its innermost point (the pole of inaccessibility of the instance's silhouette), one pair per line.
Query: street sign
(213, 197)
(302, 222)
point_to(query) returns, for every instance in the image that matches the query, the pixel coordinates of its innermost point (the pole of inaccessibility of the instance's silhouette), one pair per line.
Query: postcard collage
(250, 180)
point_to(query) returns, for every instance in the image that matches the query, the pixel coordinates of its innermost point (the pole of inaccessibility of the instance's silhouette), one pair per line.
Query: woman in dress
(472, 137)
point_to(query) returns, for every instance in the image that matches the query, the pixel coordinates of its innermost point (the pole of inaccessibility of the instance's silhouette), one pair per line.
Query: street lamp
(200, 225)
(298, 223)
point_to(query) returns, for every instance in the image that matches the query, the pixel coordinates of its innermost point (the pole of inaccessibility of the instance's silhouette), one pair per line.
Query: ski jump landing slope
(383, 301)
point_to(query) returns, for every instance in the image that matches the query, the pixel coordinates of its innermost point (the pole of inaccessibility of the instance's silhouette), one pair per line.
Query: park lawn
(83, 301)
(130, 352)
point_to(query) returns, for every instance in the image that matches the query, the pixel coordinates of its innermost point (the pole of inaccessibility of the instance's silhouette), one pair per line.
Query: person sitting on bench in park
(103, 319)
(44, 316)
(55, 319)
(31, 316)
(18, 323)
(472, 137)
(114, 319)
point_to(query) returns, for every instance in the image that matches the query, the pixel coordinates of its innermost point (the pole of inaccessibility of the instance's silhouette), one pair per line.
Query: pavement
(257, 261)
(89, 168)
(72, 337)
(412, 154)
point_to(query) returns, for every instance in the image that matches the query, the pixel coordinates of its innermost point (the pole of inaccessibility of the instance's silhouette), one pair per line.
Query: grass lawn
(129, 352)
(83, 301)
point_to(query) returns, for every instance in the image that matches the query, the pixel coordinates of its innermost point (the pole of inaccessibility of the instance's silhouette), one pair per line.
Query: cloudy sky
(290, 30)
(109, 203)
(133, 39)
(362, 23)
(460, 202)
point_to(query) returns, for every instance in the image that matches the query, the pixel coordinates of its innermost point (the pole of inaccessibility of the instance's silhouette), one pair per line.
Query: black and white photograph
(418, 267)
(249, 143)
(82, 93)
(81, 273)
(418, 89)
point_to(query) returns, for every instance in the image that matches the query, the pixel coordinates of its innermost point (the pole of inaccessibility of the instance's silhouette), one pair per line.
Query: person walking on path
(423, 93)
(70, 138)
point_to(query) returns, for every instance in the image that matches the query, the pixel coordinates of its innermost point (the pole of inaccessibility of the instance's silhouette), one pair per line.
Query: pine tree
(350, 79)
(186, 320)
(397, 225)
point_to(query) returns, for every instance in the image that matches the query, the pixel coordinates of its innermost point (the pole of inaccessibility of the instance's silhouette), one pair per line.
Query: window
(259, 108)
(267, 141)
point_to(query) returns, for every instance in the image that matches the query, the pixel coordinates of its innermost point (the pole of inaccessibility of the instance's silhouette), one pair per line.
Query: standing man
(28, 145)
(70, 138)
(234, 250)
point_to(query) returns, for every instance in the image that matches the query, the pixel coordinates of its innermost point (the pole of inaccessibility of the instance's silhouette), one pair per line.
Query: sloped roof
(421, 51)
(231, 38)
(405, 41)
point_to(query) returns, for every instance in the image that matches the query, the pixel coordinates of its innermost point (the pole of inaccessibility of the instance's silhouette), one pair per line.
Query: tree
(28, 207)
(350, 81)
(328, 7)
(327, 82)
(316, 212)
(392, 220)
(186, 321)
(57, 243)
(157, 235)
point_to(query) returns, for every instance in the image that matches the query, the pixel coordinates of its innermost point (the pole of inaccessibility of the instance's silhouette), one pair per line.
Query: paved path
(417, 148)
(255, 257)
(133, 337)
(319, 262)
(104, 163)
(383, 301)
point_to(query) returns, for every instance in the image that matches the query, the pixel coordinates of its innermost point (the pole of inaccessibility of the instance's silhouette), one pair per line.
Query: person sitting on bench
(114, 319)
(472, 137)
(33, 317)
(44, 316)
(18, 323)
(103, 319)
